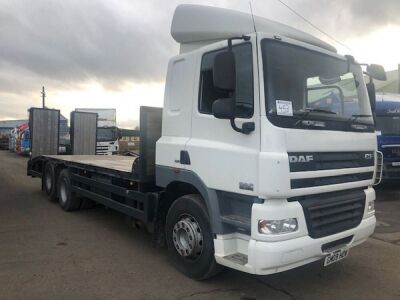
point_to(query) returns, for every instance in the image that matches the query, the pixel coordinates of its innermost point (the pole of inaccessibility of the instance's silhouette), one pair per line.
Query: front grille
(391, 152)
(315, 161)
(319, 181)
(330, 213)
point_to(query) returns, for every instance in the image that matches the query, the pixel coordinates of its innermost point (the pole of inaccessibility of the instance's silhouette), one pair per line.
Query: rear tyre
(49, 181)
(189, 238)
(68, 200)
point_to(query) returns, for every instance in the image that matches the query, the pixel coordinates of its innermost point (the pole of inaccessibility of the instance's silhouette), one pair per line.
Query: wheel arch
(183, 182)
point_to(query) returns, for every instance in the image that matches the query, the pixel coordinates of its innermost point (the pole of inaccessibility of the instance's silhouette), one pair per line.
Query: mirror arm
(243, 37)
(247, 127)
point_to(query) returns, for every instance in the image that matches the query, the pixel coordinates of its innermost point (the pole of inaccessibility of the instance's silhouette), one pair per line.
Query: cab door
(223, 158)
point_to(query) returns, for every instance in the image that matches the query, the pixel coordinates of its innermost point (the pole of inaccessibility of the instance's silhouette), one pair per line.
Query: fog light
(371, 206)
(277, 226)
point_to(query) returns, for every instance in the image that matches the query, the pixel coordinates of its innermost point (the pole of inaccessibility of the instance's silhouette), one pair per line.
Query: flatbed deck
(113, 162)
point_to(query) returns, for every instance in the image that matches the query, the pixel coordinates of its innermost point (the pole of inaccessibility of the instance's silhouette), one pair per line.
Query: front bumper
(265, 255)
(267, 258)
(273, 257)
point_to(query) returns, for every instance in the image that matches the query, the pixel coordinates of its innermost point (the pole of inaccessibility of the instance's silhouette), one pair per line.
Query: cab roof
(194, 26)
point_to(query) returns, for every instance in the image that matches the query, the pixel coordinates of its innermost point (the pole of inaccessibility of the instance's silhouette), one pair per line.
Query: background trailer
(83, 133)
(44, 127)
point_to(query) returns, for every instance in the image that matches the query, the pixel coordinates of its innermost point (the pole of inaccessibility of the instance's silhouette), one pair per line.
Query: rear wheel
(68, 200)
(189, 238)
(49, 181)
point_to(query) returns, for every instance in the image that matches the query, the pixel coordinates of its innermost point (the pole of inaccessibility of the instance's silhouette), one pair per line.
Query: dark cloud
(77, 40)
(369, 14)
(344, 19)
(62, 44)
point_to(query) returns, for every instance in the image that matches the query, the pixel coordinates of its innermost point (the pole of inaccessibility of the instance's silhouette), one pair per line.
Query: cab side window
(244, 82)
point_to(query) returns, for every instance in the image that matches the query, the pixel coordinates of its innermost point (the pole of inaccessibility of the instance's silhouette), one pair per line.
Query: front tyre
(189, 238)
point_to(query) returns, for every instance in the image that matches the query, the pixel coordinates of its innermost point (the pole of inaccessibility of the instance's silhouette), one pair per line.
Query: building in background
(129, 140)
(8, 125)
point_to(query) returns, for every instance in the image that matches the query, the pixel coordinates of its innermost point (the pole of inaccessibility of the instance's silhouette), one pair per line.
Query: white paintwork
(179, 93)
(110, 147)
(218, 153)
(272, 257)
(194, 26)
(223, 158)
(268, 255)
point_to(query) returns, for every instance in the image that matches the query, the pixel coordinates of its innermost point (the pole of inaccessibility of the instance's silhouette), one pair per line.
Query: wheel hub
(187, 237)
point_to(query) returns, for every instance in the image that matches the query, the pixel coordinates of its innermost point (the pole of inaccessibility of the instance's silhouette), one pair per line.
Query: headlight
(277, 226)
(371, 206)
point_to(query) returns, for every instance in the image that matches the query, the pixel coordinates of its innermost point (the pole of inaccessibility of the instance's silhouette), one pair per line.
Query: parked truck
(22, 141)
(387, 118)
(107, 131)
(12, 139)
(239, 168)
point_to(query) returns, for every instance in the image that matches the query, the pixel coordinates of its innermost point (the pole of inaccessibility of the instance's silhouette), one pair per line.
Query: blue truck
(387, 123)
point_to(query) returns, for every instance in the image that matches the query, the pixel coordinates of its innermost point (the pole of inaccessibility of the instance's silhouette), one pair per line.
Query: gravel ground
(46, 253)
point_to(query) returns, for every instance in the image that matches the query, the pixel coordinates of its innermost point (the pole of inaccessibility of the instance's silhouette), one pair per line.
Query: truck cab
(387, 119)
(274, 129)
(25, 142)
(107, 141)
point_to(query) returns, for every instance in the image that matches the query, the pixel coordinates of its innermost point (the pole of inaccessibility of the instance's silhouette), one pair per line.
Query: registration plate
(335, 256)
(396, 164)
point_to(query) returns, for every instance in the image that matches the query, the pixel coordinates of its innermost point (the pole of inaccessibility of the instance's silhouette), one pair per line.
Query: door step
(237, 258)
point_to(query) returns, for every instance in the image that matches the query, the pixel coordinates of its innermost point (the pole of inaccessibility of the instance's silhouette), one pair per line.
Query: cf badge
(369, 156)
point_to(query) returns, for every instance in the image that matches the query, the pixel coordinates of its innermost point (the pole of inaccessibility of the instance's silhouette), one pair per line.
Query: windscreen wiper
(326, 111)
(354, 118)
(308, 110)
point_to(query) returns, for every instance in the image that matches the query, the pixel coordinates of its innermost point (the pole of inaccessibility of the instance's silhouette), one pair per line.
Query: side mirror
(376, 72)
(371, 95)
(223, 108)
(224, 71)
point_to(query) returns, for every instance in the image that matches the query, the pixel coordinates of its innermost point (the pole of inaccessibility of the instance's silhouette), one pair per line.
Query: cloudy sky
(107, 53)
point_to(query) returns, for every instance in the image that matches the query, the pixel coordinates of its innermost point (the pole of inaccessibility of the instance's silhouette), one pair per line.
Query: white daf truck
(262, 159)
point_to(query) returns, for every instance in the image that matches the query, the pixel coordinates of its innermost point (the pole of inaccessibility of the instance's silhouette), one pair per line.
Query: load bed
(123, 183)
(114, 162)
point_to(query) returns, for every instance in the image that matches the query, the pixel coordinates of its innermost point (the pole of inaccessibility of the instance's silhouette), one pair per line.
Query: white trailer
(249, 165)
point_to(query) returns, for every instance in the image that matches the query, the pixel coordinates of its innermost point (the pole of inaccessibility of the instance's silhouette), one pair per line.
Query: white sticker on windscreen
(284, 108)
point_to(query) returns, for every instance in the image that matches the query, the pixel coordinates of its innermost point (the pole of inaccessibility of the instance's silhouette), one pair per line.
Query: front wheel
(189, 238)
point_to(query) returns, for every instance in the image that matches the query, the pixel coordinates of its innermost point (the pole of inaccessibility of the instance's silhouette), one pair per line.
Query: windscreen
(312, 90)
(106, 134)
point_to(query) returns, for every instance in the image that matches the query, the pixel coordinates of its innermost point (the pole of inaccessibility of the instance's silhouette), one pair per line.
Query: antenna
(43, 97)
(252, 16)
